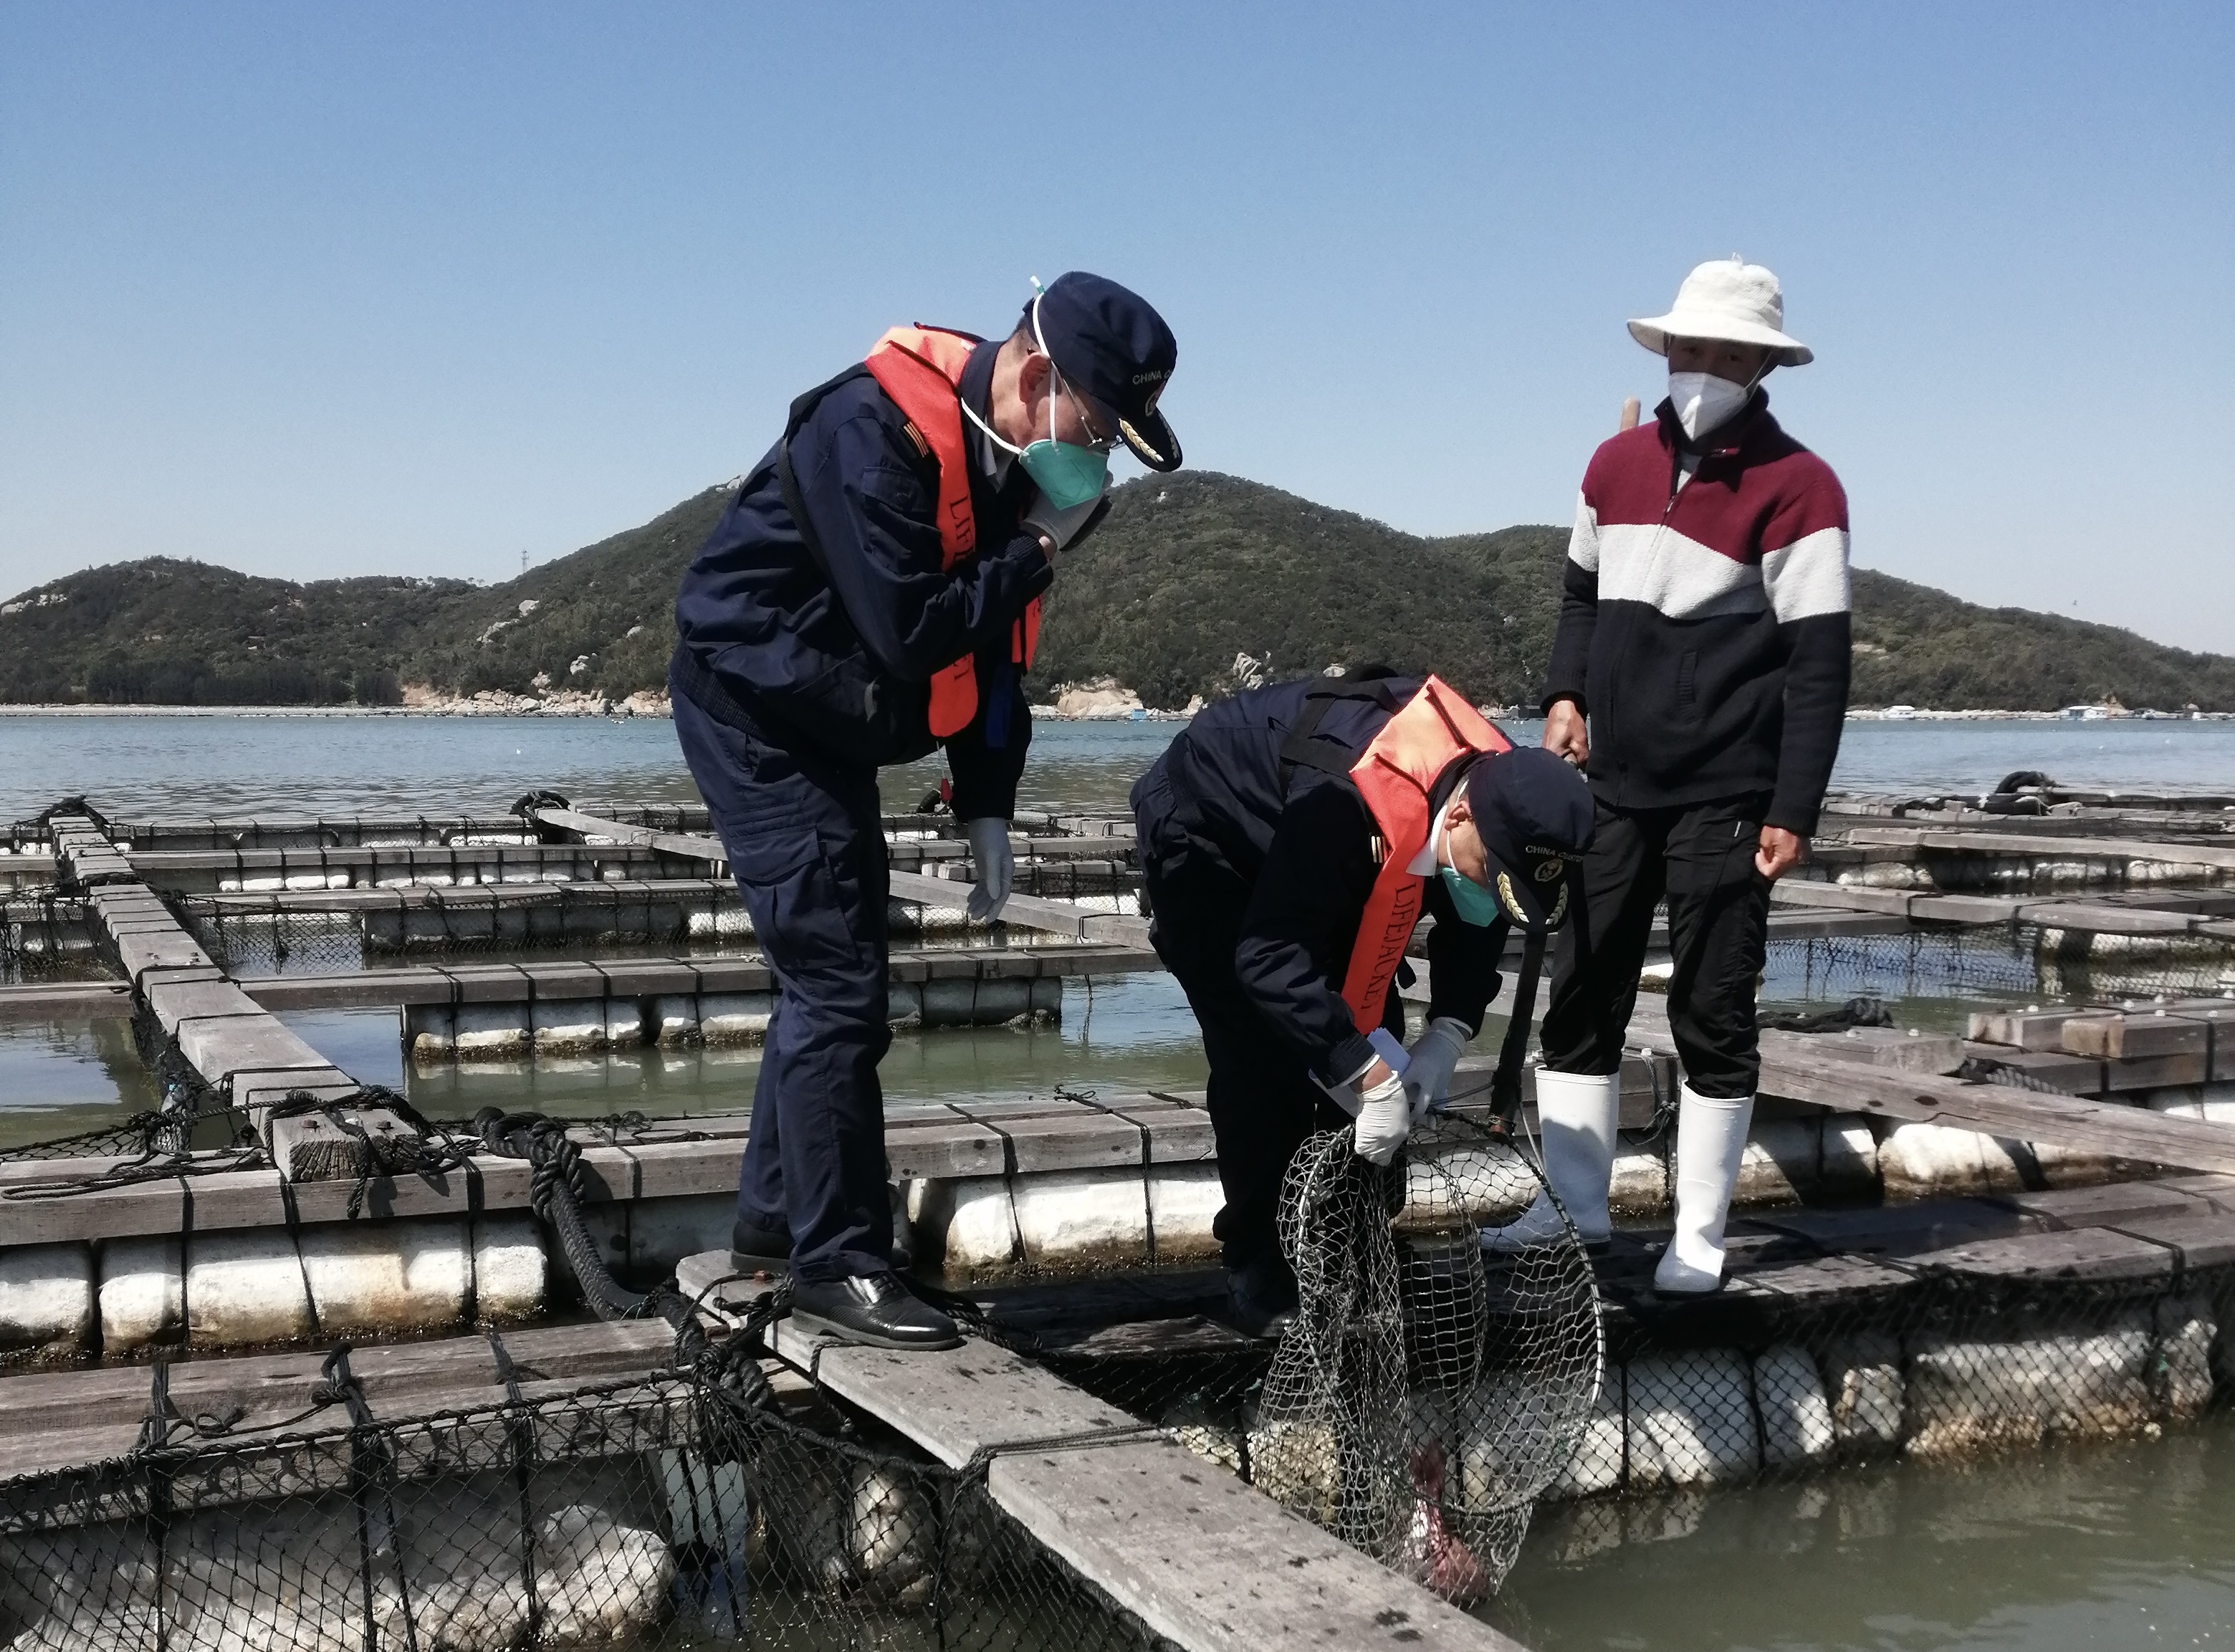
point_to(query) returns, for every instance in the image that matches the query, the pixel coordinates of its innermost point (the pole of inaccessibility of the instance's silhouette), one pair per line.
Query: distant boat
(1899, 713)
(2087, 714)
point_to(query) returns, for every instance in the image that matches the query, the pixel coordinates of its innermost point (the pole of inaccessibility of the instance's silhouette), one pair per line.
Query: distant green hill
(1917, 645)
(610, 606)
(1190, 570)
(166, 632)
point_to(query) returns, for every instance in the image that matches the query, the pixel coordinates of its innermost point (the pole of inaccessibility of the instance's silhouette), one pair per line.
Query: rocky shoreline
(1102, 701)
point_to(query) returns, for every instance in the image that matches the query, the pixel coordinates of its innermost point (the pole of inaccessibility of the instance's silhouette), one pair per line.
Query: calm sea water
(138, 766)
(2128, 1545)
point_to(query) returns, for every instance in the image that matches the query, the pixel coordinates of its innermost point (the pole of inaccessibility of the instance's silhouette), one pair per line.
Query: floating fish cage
(46, 937)
(1998, 961)
(680, 1508)
(1943, 1246)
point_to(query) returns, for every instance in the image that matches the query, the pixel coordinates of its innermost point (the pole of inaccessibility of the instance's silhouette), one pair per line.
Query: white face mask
(1702, 401)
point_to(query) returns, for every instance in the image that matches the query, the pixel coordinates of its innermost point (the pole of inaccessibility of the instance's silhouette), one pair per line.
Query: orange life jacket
(1395, 774)
(920, 369)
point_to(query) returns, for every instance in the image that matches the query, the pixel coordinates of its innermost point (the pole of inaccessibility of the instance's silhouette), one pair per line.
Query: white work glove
(1061, 527)
(997, 868)
(1384, 1120)
(1435, 1054)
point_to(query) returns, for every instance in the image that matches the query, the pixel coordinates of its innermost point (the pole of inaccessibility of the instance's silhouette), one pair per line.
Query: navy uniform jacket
(848, 669)
(1305, 848)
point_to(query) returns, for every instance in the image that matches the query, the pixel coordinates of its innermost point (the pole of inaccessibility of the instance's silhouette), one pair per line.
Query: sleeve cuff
(1347, 1060)
(1795, 817)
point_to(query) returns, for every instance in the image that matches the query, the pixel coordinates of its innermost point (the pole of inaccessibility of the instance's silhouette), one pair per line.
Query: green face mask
(1474, 903)
(1066, 472)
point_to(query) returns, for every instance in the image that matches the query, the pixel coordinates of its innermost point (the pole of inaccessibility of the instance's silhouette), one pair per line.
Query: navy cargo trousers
(1262, 1101)
(806, 842)
(1700, 858)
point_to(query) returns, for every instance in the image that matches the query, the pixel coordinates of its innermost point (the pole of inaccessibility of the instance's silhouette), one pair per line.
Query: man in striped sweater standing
(1699, 677)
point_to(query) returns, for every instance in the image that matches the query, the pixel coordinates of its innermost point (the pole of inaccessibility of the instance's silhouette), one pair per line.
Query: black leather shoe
(758, 1249)
(1261, 1301)
(875, 1309)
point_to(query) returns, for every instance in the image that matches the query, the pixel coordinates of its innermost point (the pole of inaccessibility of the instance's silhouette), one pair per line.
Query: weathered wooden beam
(623, 978)
(1811, 1068)
(2002, 842)
(1025, 912)
(65, 1000)
(112, 1395)
(239, 1050)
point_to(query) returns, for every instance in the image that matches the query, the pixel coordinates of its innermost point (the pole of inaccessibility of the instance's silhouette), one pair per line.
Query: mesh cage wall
(1427, 1394)
(1915, 1360)
(648, 1514)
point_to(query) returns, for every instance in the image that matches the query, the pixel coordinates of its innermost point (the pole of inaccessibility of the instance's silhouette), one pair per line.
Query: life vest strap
(1506, 1082)
(1304, 749)
(788, 482)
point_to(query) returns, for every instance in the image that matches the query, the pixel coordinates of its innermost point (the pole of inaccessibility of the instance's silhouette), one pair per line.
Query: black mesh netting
(1803, 1366)
(45, 937)
(285, 934)
(2004, 960)
(679, 1510)
(292, 934)
(1426, 1393)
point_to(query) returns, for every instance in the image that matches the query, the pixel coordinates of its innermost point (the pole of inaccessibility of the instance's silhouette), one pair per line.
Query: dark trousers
(807, 845)
(1263, 1102)
(1700, 857)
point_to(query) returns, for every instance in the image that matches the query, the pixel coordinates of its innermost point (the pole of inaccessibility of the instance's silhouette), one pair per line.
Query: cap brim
(1654, 332)
(1524, 899)
(1153, 443)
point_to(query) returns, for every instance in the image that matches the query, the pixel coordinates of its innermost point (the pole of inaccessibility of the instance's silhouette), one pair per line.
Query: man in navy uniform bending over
(1290, 840)
(873, 592)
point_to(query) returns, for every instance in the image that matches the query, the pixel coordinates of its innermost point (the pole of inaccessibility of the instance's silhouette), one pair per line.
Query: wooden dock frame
(237, 1046)
(1208, 1562)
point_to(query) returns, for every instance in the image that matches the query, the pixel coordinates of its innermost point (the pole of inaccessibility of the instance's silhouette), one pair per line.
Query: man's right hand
(1566, 734)
(1059, 528)
(1385, 1118)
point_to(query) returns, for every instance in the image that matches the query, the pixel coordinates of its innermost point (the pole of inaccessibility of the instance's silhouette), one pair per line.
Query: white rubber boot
(1711, 1138)
(1576, 1117)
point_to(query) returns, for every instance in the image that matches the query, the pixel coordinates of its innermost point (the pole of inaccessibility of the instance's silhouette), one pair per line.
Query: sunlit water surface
(139, 764)
(2129, 1544)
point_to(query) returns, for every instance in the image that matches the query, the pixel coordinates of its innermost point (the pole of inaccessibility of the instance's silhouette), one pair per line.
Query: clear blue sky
(319, 289)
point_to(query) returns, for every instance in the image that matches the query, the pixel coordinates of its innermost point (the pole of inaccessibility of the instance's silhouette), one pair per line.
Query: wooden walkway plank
(1025, 912)
(2017, 843)
(571, 980)
(118, 1395)
(1802, 1066)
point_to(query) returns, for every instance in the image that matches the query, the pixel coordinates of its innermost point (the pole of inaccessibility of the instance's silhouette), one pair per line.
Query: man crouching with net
(1290, 840)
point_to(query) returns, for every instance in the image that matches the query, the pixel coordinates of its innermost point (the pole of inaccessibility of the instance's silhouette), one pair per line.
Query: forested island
(1191, 573)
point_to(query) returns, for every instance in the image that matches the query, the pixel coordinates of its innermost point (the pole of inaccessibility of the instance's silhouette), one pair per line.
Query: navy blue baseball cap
(1115, 350)
(1535, 814)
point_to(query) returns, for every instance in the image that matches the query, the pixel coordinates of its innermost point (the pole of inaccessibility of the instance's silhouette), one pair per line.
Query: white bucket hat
(1726, 298)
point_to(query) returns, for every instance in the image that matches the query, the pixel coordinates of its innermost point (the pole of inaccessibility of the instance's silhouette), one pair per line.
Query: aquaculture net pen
(678, 1510)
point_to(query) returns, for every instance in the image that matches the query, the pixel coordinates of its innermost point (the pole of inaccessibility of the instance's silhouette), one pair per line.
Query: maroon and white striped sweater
(1704, 628)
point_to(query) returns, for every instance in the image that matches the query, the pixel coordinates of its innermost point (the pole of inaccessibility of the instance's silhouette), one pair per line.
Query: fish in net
(1427, 1392)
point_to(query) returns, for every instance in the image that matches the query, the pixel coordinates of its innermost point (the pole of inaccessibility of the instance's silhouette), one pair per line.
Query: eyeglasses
(1095, 438)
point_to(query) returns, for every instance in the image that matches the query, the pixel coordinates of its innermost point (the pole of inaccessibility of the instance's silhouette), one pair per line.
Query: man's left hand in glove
(996, 866)
(1435, 1056)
